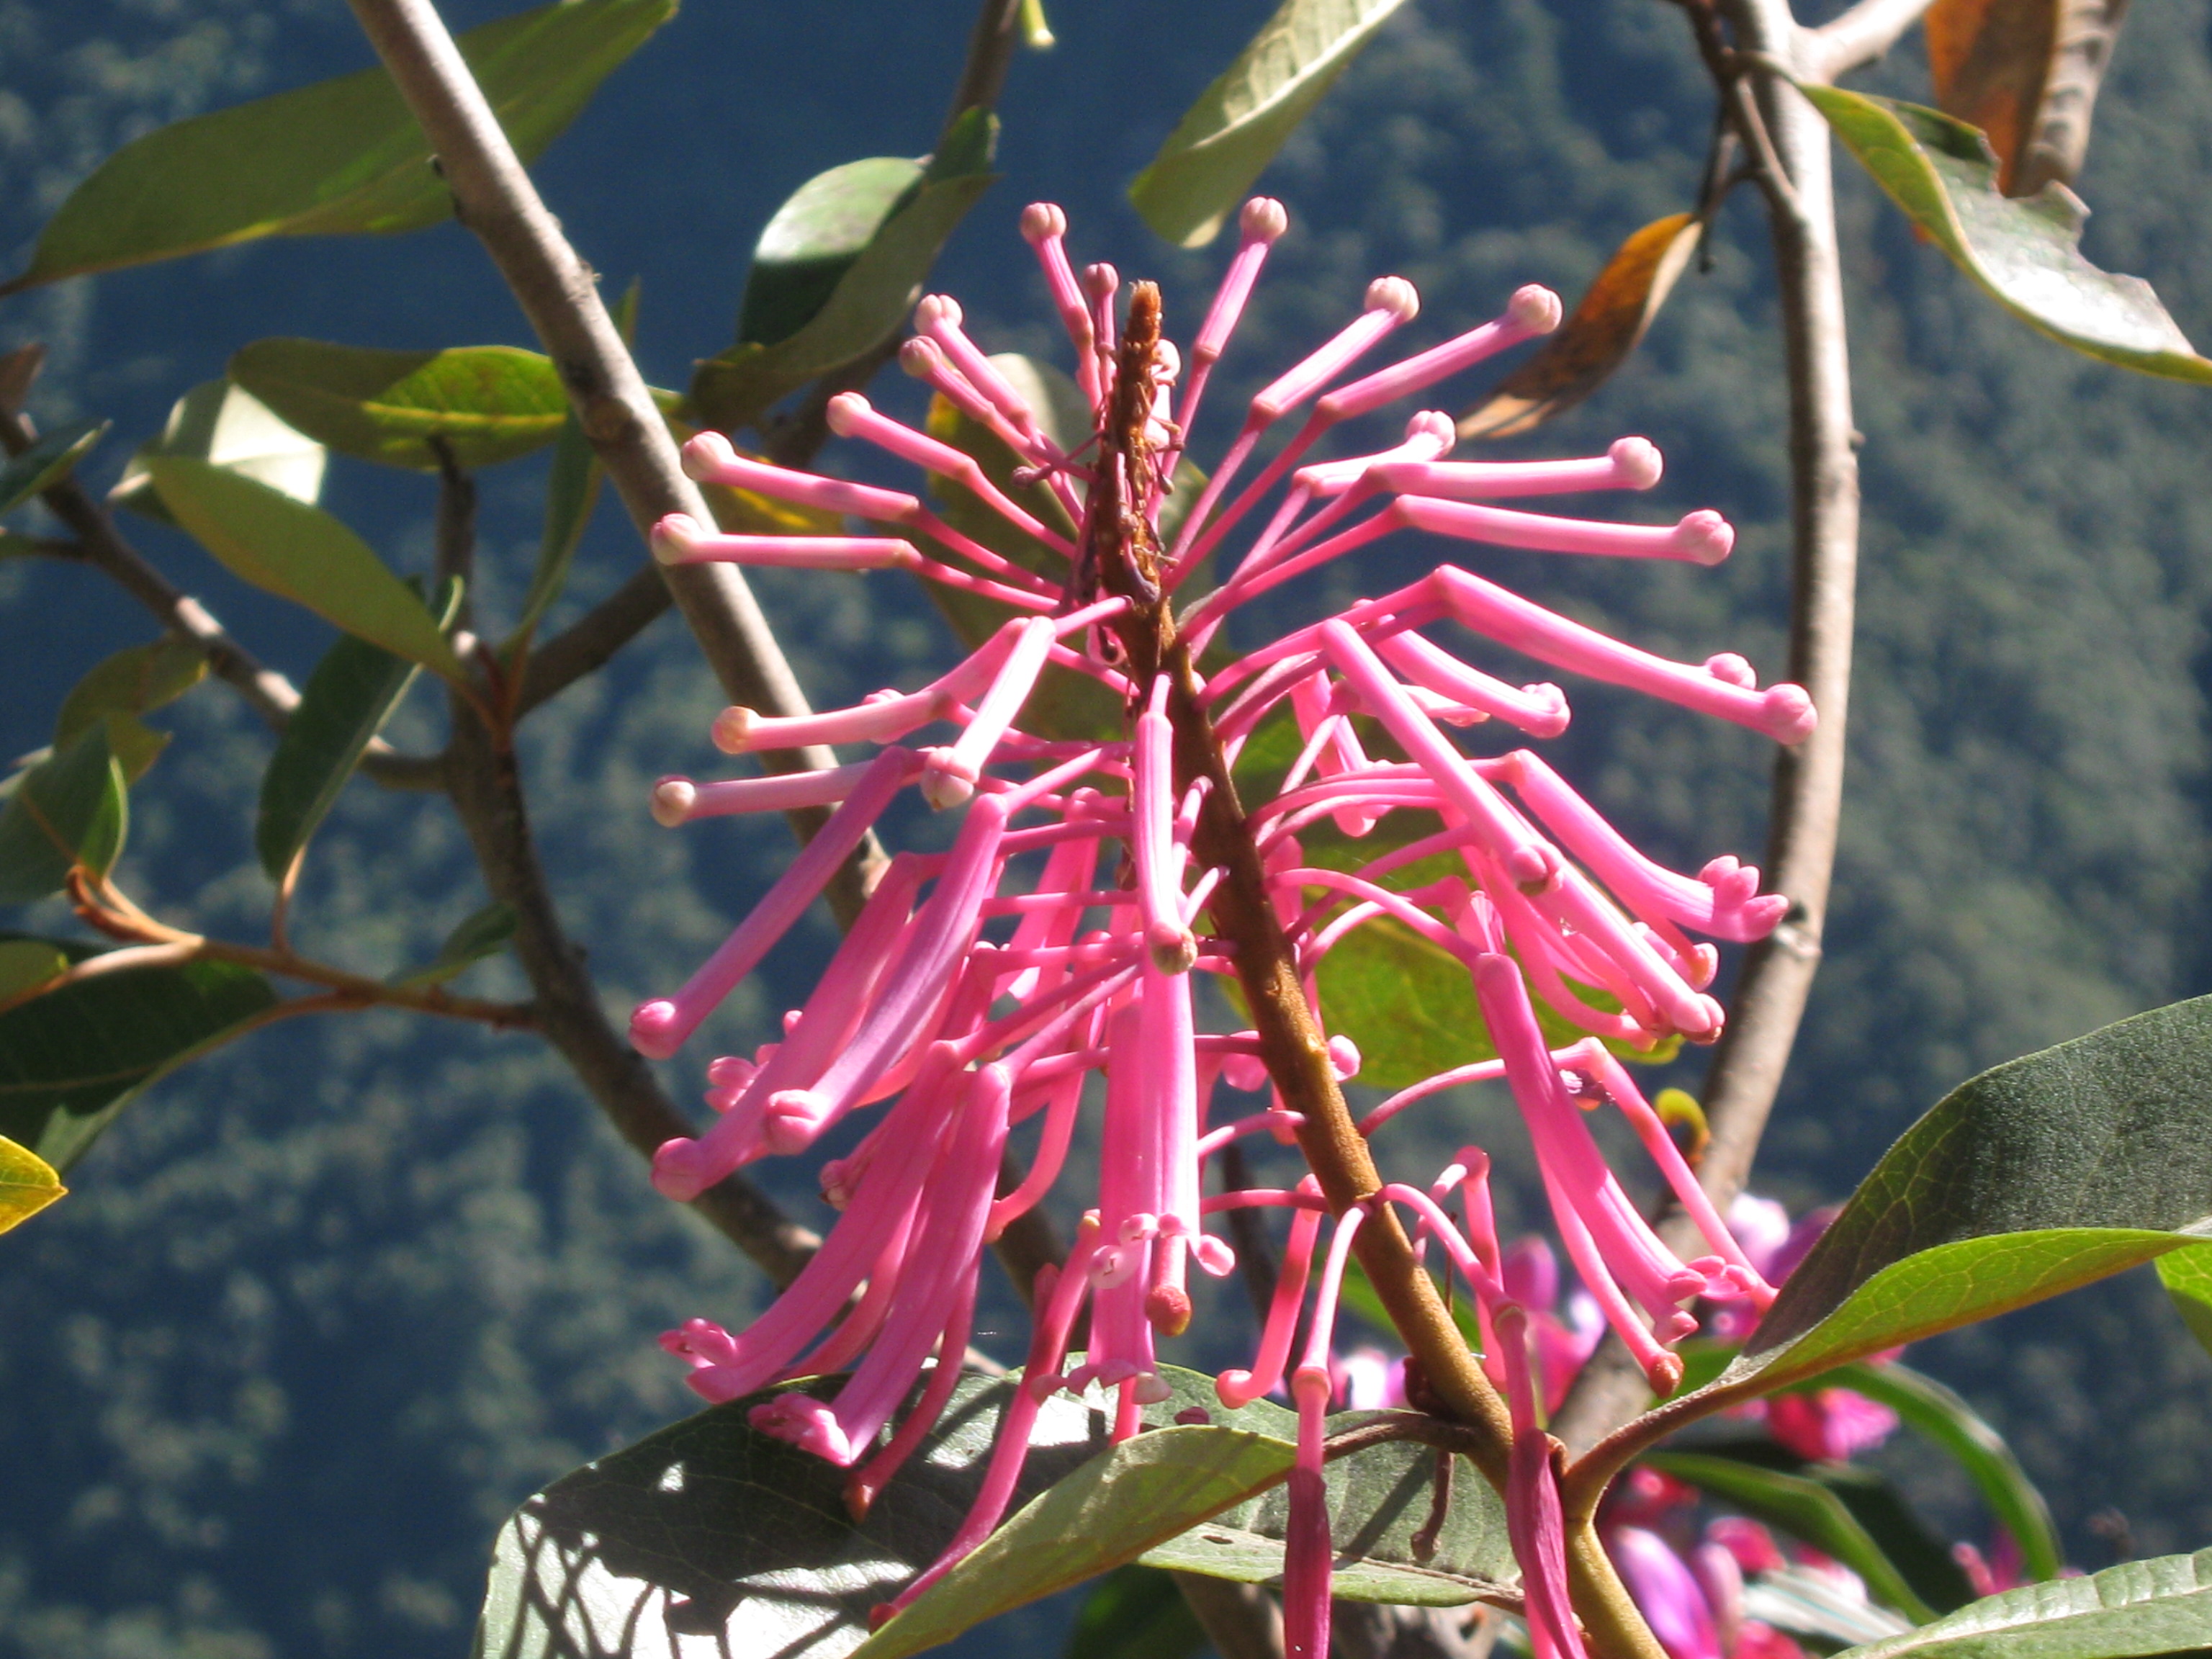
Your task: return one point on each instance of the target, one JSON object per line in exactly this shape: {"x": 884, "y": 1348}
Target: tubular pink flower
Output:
{"x": 949, "y": 775}
{"x": 679, "y": 801}
{"x": 1666, "y": 1593}
{"x": 1262, "y": 223}
{"x": 681, "y": 539}
{"x": 1308, "y": 1553}
{"x": 1239, "y": 1388}
{"x": 1532, "y": 311}
{"x": 710, "y": 459}
{"x": 851, "y": 416}
{"x": 1152, "y": 803}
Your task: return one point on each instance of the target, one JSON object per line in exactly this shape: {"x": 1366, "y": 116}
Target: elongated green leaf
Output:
{"x": 2046, "y": 1173}
{"x": 1136, "y": 1612}
{"x": 1944, "y": 1418}
{"x": 25, "y": 964}
{"x": 2129, "y": 1612}
{"x": 1226, "y": 139}
{"x": 344, "y": 704}
{"x": 343, "y": 157}
{"x": 2025, "y": 252}
{"x": 27, "y": 1184}
{"x": 121, "y": 688}
{"x": 303, "y": 554}
{"x": 868, "y": 300}
{"x": 70, "y": 809}
{"x": 1850, "y": 1513}
{"x": 478, "y": 937}
{"x": 227, "y": 427}
{"x": 42, "y": 465}
{"x": 72, "y": 1059}
{"x": 490, "y": 404}
{"x": 2187, "y": 1276}
{"x": 815, "y": 238}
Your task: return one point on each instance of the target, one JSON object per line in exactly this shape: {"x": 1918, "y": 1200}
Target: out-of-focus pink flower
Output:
{"x": 1831, "y": 1424}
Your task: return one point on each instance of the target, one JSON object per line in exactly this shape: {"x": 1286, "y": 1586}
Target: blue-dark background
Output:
{"x": 320, "y": 1311}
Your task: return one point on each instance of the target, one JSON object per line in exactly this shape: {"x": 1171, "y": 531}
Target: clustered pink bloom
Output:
{"x": 969, "y": 1002}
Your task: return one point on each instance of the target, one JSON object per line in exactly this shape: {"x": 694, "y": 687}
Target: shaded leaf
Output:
{"x": 27, "y": 1184}
{"x": 136, "y": 679}
{"x": 490, "y": 403}
{"x": 338, "y": 157}
{"x": 2026, "y": 72}
{"x": 28, "y": 963}
{"x": 1850, "y": 1513}
{"x": 1606, "y": 324}
{"x": 2025, "y": 253}
{"x": 478, "y": 937}
{"x": 227, "y": 427}
{"x": 815, "y": 238}
{"x": 1136, "y": 1612}
{"x": 302, "y": 554}
{"x": 71, "y": 809}
{"x": 45, "y": 463}
{"x": 2044, "y": 1174}
{"x": 346, "y": 702}
{"x": 2187, "y": 1276}
{"x": 2137, "y": 1608}
{"x": 1225, "y": 140}
{"x": 72, "y": 1059}
{"x": 868, "y": 300}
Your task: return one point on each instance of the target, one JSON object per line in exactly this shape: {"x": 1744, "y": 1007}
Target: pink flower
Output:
{"x": 969, "y": 1005}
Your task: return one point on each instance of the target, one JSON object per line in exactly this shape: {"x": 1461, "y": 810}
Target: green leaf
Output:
{"x": 728, "y": 1533}
{"x": 868, "y": 299}
{"x": 28, "y": 963}
{"x": 1950, "y": 1423}
{"x": 346, "y": 701}
{"x": 2023, "y": 252}
{"x": 1136, "y": 1612}
{"x": 1850, "y": 1513}
{"x": 816, "y": 236}
{"x": 2187, "y": 1276}
{"x": 2046, "y": 1173}
{"x": 2135, "y": 1609}
{"x": 70, "y": 809}
{"x": 217, "y": 423}
{"x": 1230, "y": 135}
{"x": 27, "y": 1184}
{"x": 132, "y": 682}
{"x": 483, "y": 935}
{"x": 303, "y": 554}
{"x": 490, "y": 404}
{"x": 45, "y": 462}
{"x": 343, "y": 157}
{"x": 72, "y": 1059}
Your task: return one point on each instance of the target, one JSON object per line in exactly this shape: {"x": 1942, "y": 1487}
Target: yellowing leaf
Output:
{"x": 2026, "y": 72}
{"x": 27, "y": 1184}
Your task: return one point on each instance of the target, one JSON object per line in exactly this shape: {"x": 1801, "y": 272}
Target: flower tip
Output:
{"x": 1536, "y": 308}
{"x": 1042, "y": 221}
{"x": 675, "y": 1171}
{"x": 1167, "y": 1307}
{"x": 672, "y": 800}
{"x": 1396, "y": 295}
{"x": 731, "y": 1071}
{"x": 794, "y": 1118}
{"x": 656, "y": 1029}
{"x": 846, "y": 410}
{"x": 1263, "y": 220}
{"x": 1533, "y": 866}
{"x": 1246, "y": 1073}
{"x": 1215, "y": 1259}
{"x": 946, "y": 779}
{"x": 1636, "y": 462}
{"x": 881, "y": 1614}
{"x": 1234, "y": 1389}
{"x": 1704, "y": 536}
{"x": 1344, "y": 1058}
{"x": 1173, "y": 949}
{"x": 1664, "y": 1373}
{"x": 674, "y": 537}
{"x": 1436, "y": 427}
{"x": 707, "y": 453}
{"x": 920, "y": 356}
{"x": 936, "y": 308}
{"x": 733, "y": 729}
{"x": 1735, "y": 670}
{"x": 1100, "y": 281}
{"x": 1789, "y": 713}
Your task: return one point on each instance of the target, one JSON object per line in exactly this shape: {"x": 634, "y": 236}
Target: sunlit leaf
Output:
{"x": 869, "y": 296}
{"x": 1606, "y": 324}
{"x": 71, "y": 809}
{"x": 45, "y": 463}
{"x": 303, "y": 554}
{"x": 2134, "y": 1610}
{"x": 2026, "y": 72}
{"x": 227, "y": 427}
{"x": 488, "y": 404}
{"x": 342, "y": 156}
{"x": 2187, "y": 1276}
{"x": 2025, "y": 254}
{"x": 27, "y": 1184}
{"x": 1225, "y": 140}
{"x": 72, "y": 1059}
{"x": 136, "y": 679}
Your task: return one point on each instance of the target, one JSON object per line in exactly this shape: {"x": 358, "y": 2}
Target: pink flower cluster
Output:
{"x": 973, "y": 997}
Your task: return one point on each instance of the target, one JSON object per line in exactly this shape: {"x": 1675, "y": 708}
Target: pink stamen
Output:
{"x": 948, "y": 775}
{"x": 681, "y": 539}
{"x": 1532, "y": 311}
{"x": 679, "y": 801}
